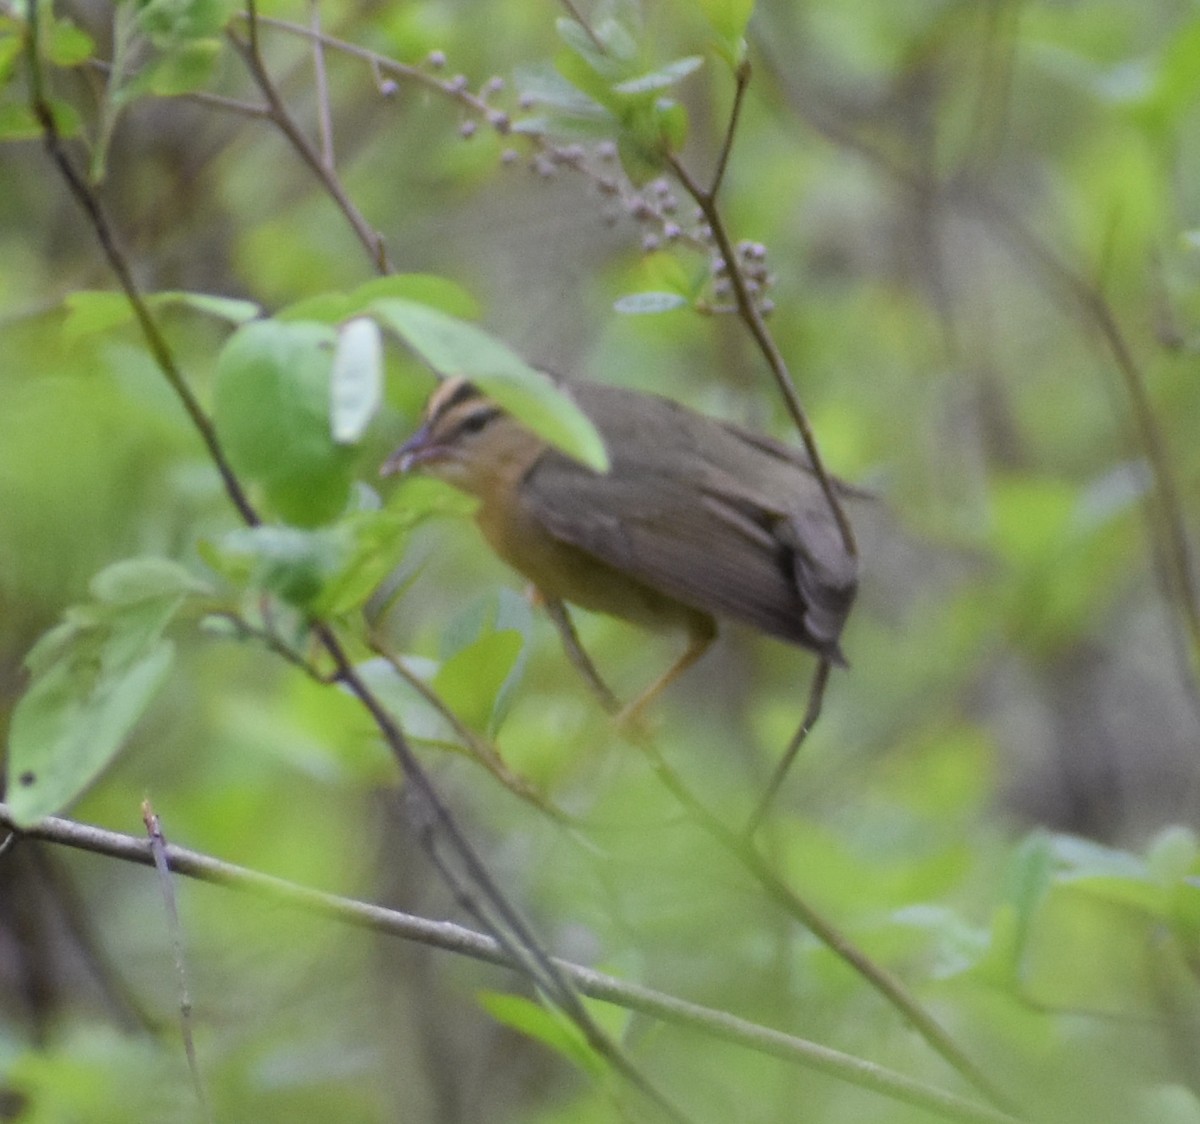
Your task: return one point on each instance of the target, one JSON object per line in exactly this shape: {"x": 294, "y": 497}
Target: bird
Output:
{"x": 696, "y": 519}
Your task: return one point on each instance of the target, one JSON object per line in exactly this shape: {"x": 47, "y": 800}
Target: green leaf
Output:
{"x": 190, "y": 67}
{"x": 1172, "y": 854}
{"x": 172, "y": 23}
{"x": 648, "y": 134}
{"x": 642, "y": 303}
{"x": 72, "y": 721}
{"x": 661, "y": 78}
{"x": 290, "y": 562}
{"x": 11, "y": 46}
{"x": 453, "y": 347}
{"x": 356, "y": 384}
{"x": 323, "y": 572}
{"x": 231, "y": 309}
{"x": 551, "y": 89}
{"x": 135, "y": 580}
{"x": 271, "y": 408}
{"x": 424, "y": 288}
{"x": 471, "y": 680}
{"x": 17, "y": 122}
{"x": 603, "y": 62}
{"x": 728, "y": 20}
{"x": 96, "y": 310}
{"x": 65, "y": 44}
{"x": 90, "y": 311}
{"x": 545, "y": 1025}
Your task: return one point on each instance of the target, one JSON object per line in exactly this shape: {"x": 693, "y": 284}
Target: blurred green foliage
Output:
{"x": 999, "y": 800}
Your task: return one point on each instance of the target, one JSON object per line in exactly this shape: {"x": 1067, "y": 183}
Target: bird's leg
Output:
{"x": 816, "y": 695}
{"x": 582, "y": 662}
{"x": 701, "y": 634}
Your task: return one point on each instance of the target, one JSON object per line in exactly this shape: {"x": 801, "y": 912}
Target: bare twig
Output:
{"x": 479, "y": 748}
{"x": 741, "y": 85}
{"x": 157, "y": 344}
{"x": 321, "y": 80}
{"x": 578, "y": 656}
{"x": 816, "y": 695}
{"x": 158, "y": 849}
{"x": 251, "y": 55}
{"x": 464, "y": 942}
{"x": 752, "y": 318}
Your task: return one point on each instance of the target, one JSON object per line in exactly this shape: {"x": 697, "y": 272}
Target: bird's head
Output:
{"x": 466, "y": 440}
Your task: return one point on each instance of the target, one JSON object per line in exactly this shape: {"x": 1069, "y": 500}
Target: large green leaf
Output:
{"x": 272, "y": 413}
{"x": 454, "y": 347}
{"x": 93, "y": 676}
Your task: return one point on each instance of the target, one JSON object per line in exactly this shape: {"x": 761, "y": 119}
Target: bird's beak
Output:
{"x": 420, "y": 447}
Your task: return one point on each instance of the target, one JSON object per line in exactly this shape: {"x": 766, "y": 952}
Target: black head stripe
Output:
{"x": 452, "y": 393}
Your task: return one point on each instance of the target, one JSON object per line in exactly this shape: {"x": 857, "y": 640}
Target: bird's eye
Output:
{"x": 473, "y": 423}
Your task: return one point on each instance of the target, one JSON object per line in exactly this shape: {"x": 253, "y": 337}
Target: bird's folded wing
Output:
{"x": 707, "y": 542}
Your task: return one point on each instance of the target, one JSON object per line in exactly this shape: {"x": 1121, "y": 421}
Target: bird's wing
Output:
{"x": 705, "y": 540}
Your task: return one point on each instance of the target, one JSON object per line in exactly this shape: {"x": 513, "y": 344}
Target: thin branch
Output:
{"x": 158, "y": 849}
{"x": 265, "y": 636}
{"x": 750, "y": 315}
{"x": 816, "y": 695}
{"x": 479, "y": 748}
{"x": 251, "y": 55}
{"x": 115, "y": 257}
{"x": 742, "y": 83}
{"x": 321, "y": 80}
{"x": 453, "y": 938}
{"x": 741, "y": 848}
{"x": 577, "y": 655}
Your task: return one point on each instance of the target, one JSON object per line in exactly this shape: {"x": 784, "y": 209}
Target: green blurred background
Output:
{"x": 997, "y": 801}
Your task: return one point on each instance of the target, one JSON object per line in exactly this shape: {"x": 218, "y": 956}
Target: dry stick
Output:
{"x": 525, "y": 953}
{"x": 158, "y": 849}
{"x": 454, "y": 938}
